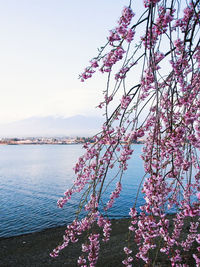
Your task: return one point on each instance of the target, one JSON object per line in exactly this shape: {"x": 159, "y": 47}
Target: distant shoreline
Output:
{"x": 66, "y": 142}
{"x": 52, "y": 144}
{"x": 41, "y": 144}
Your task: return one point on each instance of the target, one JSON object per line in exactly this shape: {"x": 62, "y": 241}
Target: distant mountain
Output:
{"x": 52, "y": 126}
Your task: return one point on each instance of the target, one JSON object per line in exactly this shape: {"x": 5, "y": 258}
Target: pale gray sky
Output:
{"x": 44, "y": 45}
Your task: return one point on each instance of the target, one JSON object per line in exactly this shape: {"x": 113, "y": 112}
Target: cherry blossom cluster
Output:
{"x": 185, "y": 23}
{"x": 133, "y": 215}
{"x": 112, "y": 58}
{"x": 129, "y": 259}
{"x": 92, "y": 248}
{"x": 117, "y": 36}
{"x": 122, "y": 31}
{"x": 115, "y": 194}
{"x": 106, "y": 225}
{"x": 160, "y": 27}
{"x": 125, "y": 101}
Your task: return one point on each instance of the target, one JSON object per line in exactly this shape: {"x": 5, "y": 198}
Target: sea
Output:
{"x": 34, "y": 177}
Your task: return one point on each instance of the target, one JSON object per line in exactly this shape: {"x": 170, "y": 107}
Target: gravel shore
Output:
{"x": 33, "y": 249}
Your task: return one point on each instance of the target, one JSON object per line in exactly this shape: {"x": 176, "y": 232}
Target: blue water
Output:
{"x": 33, "y": 177}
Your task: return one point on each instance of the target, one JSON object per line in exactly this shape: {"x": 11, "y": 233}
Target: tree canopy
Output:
{"x": 152, "y": 62}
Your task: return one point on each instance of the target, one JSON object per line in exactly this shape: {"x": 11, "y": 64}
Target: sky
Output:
{"x": 44, "y": 46}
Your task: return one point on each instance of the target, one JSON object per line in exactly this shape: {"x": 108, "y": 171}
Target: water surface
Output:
{"x": 33, "y": 177}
